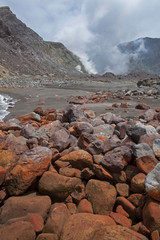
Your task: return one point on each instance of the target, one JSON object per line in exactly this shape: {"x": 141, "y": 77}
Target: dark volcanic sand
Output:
{"x": 30, "y": 98}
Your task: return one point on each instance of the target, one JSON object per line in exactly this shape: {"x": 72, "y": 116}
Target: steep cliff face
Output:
{"x": 143, "y": 55}
{"x": 22, "y": 51}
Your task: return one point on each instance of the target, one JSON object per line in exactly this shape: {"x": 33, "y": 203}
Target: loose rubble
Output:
{"x": 70, "y": 174}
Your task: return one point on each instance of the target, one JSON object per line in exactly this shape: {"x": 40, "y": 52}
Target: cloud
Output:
{"x": 91, "y": 28}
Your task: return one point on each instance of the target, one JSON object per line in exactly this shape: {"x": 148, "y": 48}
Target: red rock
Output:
{"x": 58, "y": 187}
{"x": 131, "y": 171}
{"x": 120, "y": 177}
{"x": 85, "y": 206}
{"x": 70, "y": 172}
{"x": 30, "y": 116}
{"x": 137, "y": 183}
{"x": 127, "y": 205}
{"x": 148, "y": 115}
{"x": 120, "y": 219}
{"x": 18, "y": 230}
{"x": 101, "y": 173}
{"x": 47, "y": 236}
{"x": 32, "y": 164}
{"x": 90, "y": 113}
{"x": 117, "y": 233}
{"x": 115, "y": 105}
{"x": 16, "y": 207}
{"x": 80, "y": 127}
{"x": 137, "y": 199}
{"x": 87, "y": 174}
{"x": 58, "y": 215}
{"x": 37, "y": 222}
{"x": 124, "y": 105}
{"x": 91, "y": 143}
{"x": 39, "y": 111}
{"x": 78, "y": 159}
{"x": 121, "y": 210}
{"x": 72, "y": 208}
{"x": 151, "y": 215}
{"x": 51, "y": 117}
{"x": 155, "y": 235}
{"x": 78, "y": 194}
{"x": 146, "y": 163}
{"x": 84, "y": 226}
{"x": 142, "y": 106}
{"x": 60, "y": 139}
{"x": 102, "y": 196}
{"x": 122, "y": 189}
{"x": 148, "y": 138}
{"x": 117, "y": 159}
{"x": 2, "y": 174}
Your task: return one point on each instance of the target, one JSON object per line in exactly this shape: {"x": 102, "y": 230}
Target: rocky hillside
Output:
{"x": 143, "y": 54}
{"x": 22, "y": 51}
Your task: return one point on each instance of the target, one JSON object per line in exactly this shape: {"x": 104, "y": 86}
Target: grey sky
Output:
{"x": 91, "y": 28}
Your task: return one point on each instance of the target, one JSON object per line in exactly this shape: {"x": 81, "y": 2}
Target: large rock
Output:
{"x": 156, "y": 148}
{"x": 146, "y": 163}
{"x": 117, "y": 233}
{"x": 104, "y": 130}
{"x": 148, "y": 115}
{"x": 137, "y": 183}
{"x": 102, "y": 196}
{"x": 152, "y": 183}
{"x": 141, "y": 150}
{"x": 30, "y": 116}
{"x": 19, "y": 230}
{"x": 58, "y": 187}
{"x": 60, "y": 139}
{"x": 32, "y": 164}
{"x": 73, "y": 113}
{"x": 11, "y": 148}
{"x": 135, "y": 133}
{"x": 84, "y": 226}
{"x": 20, "y": 206}
{"x": 78, "y": 159}
{"x": 80, "y": 127}
{"x": 58, "y": 215}
{"x": 47, "y": 130}
{"x": 91, "y": 143}
{"x": 117, "y": 159}
{"x": 151, "y": 215}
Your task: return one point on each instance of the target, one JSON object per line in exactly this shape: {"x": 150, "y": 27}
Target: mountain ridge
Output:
{"x": 23, "y": 51}
{"x": 143, "y": 55}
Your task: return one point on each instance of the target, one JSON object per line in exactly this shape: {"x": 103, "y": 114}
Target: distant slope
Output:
{"x": 143, "y": 55}
{"x": 22, "y": 51}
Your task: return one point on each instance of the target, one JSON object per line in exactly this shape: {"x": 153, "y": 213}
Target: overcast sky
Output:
{"x": 91, "y": 28}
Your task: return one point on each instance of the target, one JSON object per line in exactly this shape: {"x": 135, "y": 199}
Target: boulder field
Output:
{"x": 72, "y": 175}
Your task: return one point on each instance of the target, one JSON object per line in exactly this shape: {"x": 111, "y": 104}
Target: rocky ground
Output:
{"x": 72, "y": 174}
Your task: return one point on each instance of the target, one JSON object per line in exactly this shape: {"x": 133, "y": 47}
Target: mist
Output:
{"x": 92, "y": 29}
